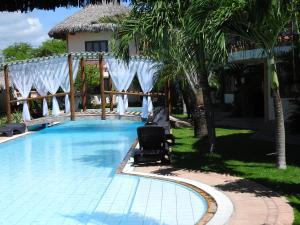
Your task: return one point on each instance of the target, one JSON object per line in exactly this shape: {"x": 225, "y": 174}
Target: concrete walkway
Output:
{"x": 253, "y": 204}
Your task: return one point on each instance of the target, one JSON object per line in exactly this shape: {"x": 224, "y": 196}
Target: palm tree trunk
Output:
{"x": 208, "y": 112}
{"x": 279, "y": 130}
{"x": 279, "y": 117}
{"x": 203, "y": 77}
{"x": 200, "y": 123}
{"x": 196, "y": 107}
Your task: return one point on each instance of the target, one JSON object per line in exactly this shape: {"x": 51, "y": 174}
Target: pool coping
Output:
{"x": 6, "y": 139}
{"x": 220, "y": 207}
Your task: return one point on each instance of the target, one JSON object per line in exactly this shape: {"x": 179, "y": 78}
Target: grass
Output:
{"x": 180, "y": 116}
{"x": 238, "y": 154}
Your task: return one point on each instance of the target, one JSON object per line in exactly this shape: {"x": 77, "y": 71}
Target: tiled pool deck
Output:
{"x": 253, "y": 203}
{"x": 65, "y": 175}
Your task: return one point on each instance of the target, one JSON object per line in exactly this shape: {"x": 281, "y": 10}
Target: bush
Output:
{"x": 92, "y": 77}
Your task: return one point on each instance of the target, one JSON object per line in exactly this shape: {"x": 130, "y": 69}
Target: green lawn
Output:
{"x": 237, "y": 154}
{"x": 180, "y": 116}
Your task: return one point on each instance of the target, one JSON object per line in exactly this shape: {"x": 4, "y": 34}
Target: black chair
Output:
{"x": 160, "y": 118}
{"x": 153, "y": 145}
{"x": 13, "y": 128}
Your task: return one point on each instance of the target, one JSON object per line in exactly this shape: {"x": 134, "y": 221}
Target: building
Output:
{"x": 251, "y": 83}
{"x": 83, "y": 31}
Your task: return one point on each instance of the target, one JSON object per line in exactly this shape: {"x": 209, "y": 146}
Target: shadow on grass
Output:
{"x": 239, "y": 147}
{"x": 241, "y": 155}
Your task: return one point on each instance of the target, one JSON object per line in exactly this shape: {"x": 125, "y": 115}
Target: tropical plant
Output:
{"x": 160, "y": 31}
{"x": 254, "y": 20}
{"x": 92, "y": 79}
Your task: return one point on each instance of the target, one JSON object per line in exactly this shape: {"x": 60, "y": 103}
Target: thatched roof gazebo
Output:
{"x": 87, "y": 20}
{"x": 29, "y": 5}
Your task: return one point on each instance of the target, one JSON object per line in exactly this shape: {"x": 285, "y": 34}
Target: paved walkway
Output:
{"x": 253, "y": 203}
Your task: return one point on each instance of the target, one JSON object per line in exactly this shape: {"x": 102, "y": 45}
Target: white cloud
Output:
{"x": 20, "y": 27}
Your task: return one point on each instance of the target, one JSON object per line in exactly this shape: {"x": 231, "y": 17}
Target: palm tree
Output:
{"x": 254, "y": 20}
{"x": 159, "y": 27}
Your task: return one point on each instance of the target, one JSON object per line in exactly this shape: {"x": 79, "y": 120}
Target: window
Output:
{"x": 96, "y": 46}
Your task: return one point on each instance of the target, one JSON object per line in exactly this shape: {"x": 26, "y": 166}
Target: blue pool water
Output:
{"x": 66, "y": 175}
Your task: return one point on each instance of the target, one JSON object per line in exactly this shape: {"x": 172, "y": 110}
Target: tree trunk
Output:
{"x": 279, "y": 130}
{"x": 279, "y": 117}
{"x": 203, "y": 77}
{"x": 200, "y": 123}
{"x": 193, "y": 98}
{"x": 208, "y": 112}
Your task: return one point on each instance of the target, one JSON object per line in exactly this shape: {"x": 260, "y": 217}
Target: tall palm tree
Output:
{"x": 254, "y": 20}
{"x": 159, "y": 29}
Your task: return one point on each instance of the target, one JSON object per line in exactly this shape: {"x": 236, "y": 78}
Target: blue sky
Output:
{"x": 50, "y": 18}
{"x": 32, "y": 27}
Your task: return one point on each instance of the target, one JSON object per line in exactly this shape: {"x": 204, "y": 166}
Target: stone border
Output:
{"x": 4, "y": 139}
{"x": 224, "y": 207}
{"x": 220, "y": 208}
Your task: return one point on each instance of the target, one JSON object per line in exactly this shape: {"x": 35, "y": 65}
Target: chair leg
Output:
{"x": 9, "y": 133}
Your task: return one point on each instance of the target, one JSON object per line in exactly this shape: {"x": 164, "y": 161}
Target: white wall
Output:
{"x": 76, "y": 42}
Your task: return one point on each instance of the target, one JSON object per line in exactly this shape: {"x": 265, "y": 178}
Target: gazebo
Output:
{"x": 46, "y": 75}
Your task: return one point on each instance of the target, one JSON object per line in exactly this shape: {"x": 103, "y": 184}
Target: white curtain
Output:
{"x": 39, "y": 86}
{"x": 146, "y": 70}
{"x": 22, "y": 80}
{"x": 52, "y": 72}
{"x": 65, "y": 85}
{"x": 122, "y": 76}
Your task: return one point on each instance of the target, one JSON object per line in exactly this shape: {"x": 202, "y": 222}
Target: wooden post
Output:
{"x": 84, "y": 88}
{"x": 168, "y": 99}
{"x": 111, "y": 99}
{"x": 7, "y": 95}
{"x": 72, "y": 97}
{"x": 101, "y": 70}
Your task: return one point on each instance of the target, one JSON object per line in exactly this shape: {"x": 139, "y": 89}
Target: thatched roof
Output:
{"x": 29, "y": 5}
{"x": 87, "y": 20}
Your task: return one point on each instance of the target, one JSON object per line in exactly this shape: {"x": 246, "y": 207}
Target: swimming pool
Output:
{"x": 66, "y": 175}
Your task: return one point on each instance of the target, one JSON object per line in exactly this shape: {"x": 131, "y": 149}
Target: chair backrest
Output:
{"x": 151, "y": 137}
{"x": 161, "y": 116}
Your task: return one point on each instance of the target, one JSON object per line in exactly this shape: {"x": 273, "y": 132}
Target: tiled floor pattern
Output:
{"x": 253, "y": 203}
{"x": 64, "y": 175}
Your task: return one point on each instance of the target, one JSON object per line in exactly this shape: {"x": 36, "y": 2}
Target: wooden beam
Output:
{"x": 156, "y": 94}
{"x": 111, "y": 99}
{"x": 83, "y": 88}
{"x": 39, "y": 97}
{"x": 168, "y": 99}
{"x": 101, "y": 71}
{"x": 72, "y": 96}
{"x": 7, "y": 95}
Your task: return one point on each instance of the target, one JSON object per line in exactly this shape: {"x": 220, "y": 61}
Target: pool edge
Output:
{"x": 220, "y": 207}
